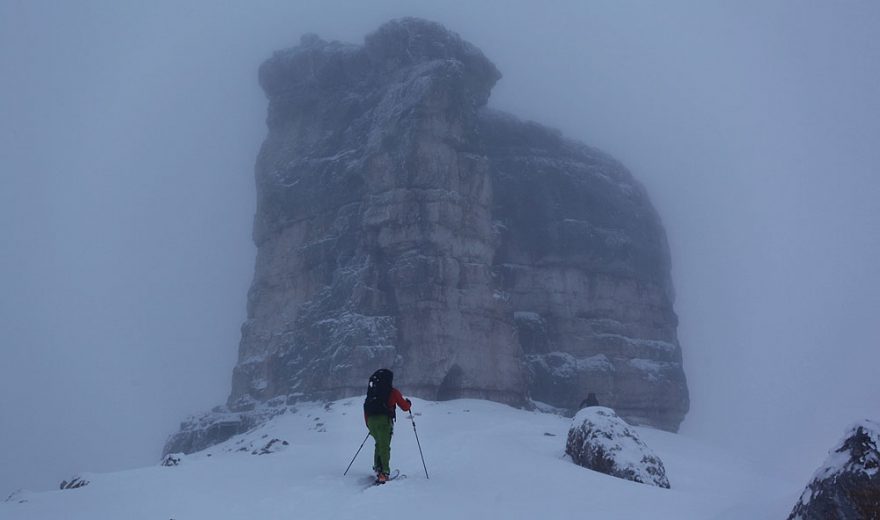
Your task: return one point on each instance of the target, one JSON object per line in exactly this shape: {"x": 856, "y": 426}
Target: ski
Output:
{"x": 391, "y": 476}
{"x": 373, "y": 482}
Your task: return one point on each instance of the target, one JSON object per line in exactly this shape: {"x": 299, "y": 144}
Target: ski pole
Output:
{"x": 411, "y": 418}
{"x": 355, "y": 455}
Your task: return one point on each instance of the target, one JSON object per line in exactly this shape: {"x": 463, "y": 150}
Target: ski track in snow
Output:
{"x": 485, "y": 460}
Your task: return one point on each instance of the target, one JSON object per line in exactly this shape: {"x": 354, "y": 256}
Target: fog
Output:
{"x": 128, "y": 135}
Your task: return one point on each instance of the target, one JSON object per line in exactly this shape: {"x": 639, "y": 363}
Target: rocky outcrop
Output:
{"x": 220, "y": 424}
{"x": 402, "y": 224}
{"x": 847, "y": 486}
{"x": 601, "y": 441}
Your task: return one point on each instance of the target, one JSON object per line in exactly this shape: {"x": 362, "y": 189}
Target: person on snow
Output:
{"x": 379, "y": 414}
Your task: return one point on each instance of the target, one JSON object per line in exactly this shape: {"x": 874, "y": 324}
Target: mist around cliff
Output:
{"x": 127, "y": 141}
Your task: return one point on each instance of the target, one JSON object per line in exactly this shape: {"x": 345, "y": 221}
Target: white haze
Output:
{"x": 128, "y": 133}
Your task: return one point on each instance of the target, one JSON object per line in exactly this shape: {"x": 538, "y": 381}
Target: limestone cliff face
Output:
{"x": 584, "y": 264}
{"x": 402, "y": 224}
{"x": 374, "y": 225}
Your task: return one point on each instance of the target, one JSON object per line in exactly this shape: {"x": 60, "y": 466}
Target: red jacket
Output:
{"x": 395, "y": 399}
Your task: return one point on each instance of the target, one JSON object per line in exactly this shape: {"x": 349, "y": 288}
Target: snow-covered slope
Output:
{"x": 485, "y": 460}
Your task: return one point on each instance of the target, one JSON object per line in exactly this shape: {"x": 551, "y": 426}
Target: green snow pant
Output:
{"x": 381, "y": 428}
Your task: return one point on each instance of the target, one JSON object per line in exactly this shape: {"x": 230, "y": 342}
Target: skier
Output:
{"x": 379, "y": 414}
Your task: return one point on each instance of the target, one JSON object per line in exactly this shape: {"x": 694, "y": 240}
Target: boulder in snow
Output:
{"x": 848, "y": 484}
{"x": 601, "y": 441}
{"x": 172, "y": 459}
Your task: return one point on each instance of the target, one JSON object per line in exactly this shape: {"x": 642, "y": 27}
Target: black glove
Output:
{"x": 409, "y": 403}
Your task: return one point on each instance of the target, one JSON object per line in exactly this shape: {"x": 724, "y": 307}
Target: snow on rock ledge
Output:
{"x": 848, "y": 483}
{"x": 601, "y": 441}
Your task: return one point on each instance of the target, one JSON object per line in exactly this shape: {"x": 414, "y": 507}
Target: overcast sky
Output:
{"x": 129, "y": 130}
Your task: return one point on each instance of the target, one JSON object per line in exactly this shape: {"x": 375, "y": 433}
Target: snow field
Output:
{"x": 485, "y": 460}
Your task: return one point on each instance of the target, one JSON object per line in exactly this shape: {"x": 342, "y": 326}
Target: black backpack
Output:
{"x": 378, "y": 392}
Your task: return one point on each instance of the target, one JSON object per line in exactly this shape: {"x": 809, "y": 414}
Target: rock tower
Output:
{"x": 401, "y": 223}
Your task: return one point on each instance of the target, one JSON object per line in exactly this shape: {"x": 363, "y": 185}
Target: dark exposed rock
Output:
{"x": 17, "y": 497}
{"x": 75, "y": 482}
{"x": 198, "y": 433}
{"x": 599, "y": 440}
{"x": 847, "y": 486}
{"x": 402, "y": 224}
{"x": 273, "y": 446}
